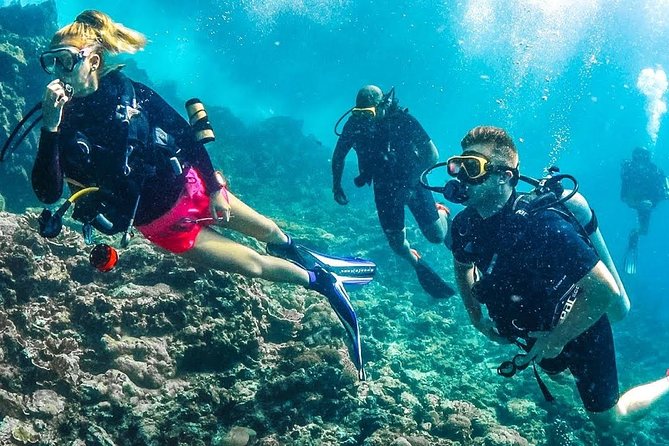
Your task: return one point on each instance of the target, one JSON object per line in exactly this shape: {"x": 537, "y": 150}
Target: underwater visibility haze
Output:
{"x": 577, "y": 83}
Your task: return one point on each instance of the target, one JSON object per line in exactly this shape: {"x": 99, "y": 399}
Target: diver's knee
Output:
{"x": 435, "y": 233}
{"x": 397, "y": 240}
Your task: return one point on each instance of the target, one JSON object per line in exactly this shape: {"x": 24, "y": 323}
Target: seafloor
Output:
{"x": 162, "y": 352}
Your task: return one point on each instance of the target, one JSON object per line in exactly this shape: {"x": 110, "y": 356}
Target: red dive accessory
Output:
{"x": 103, "y": 257}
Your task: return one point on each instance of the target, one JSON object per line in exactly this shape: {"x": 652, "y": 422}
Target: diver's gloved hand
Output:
{"x": 339, "y": 195}
{"x": 359, "y": 181}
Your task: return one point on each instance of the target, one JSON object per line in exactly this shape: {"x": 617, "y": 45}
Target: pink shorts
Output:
{"x": 177, "y": 230}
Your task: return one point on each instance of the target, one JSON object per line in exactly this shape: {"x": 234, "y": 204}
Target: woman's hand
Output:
{"x": 219, "y": 205}
{"x": 55, "y": 97}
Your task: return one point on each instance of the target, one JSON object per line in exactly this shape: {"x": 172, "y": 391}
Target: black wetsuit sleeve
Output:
{"x": 658, "y": 192}
{"x": 344, "y": 145}
{"x": 458, "y": 240}
{"x": 162, "y": 115}
{"x": 47, "y": 174}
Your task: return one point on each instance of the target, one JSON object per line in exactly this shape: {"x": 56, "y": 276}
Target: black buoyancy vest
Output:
{"x": 495, "y": 289}
{"x": 116, "y": 150}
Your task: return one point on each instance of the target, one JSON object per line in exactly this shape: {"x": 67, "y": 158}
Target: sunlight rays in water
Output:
{"x": 265, "y": 13}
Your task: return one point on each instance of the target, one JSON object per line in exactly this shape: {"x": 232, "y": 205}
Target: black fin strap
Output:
{"x": 593, "y": 224}
{"x": 542, "y": 385}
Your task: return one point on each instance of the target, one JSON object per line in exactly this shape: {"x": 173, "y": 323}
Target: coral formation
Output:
{"x": 159, "y": 351}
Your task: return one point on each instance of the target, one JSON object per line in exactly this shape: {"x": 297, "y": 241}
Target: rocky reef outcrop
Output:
{"x": 160, "y": 351}
{"x": 24, "y": 33}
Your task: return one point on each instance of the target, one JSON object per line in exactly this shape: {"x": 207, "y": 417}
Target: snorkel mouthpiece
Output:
{"x": 455, "y": 191}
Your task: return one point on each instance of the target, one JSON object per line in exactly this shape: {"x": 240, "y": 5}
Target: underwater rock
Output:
{"x": 24, "y": 33}
{"x": 238, "y": 436}
{"x": 400, "y": 441}
{"x": 24, "y": 434}
{"x": 29, "y": 20}
{"x": 145, "y": 361}
{"x": 11, "y": 404}
{"x": 417, "y": 441}
{"x": 503, "y": 436}
{"x": 457, "y": 427}
{"x": 46, "y": 403}
{"x": 524, "y": 410}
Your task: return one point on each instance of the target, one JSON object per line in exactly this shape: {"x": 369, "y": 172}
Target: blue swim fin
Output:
{"x": 332, "y": 287}
{"x": 349, "y": 270}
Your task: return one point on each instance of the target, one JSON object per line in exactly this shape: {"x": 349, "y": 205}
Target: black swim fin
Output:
{"x": 632, "y": 253}
{"x": 349, "y": 270}
{"x": 434, "y": 285}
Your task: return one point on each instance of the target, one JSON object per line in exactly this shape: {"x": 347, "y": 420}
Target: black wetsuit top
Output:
{"x": 642, "y": 180}
{"x": 525, "y": 271}
{"x": 386, "y": 148}
{"x": 387, "y": 152}
{"x": 92, "y": 119}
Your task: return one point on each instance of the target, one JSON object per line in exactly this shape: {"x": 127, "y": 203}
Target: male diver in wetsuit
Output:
{"x": 541, "y": 280}
{"x": 393, "y": 149}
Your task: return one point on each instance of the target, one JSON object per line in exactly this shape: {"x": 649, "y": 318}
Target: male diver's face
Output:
{"x": 487, "y": 191}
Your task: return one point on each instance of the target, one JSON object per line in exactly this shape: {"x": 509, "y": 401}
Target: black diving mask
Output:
{"x": 66, "y": 58}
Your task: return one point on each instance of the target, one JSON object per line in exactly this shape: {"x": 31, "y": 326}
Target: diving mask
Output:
{"x": 473, "y": 169}
{"x": 361, "y": 111}
{"x": 66, "y": 58}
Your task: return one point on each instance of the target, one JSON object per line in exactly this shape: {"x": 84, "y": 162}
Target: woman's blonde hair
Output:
{"x": 92, "y": 28}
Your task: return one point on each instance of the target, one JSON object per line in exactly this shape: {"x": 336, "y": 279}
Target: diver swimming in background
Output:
{"x": 643, "y": 186}
{"x": 150, "y": 171}
{"x": 393, "y": 149}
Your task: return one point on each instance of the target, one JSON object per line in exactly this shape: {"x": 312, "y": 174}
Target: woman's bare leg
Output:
{"x": 216, "y": 251}
{"x": 246, "y": 220}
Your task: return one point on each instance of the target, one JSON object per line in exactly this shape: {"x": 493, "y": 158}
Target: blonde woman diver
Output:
{"x": 102, "y": 129}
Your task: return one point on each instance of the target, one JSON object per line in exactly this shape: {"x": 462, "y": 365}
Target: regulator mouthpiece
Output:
{"x": 455, "y": 191}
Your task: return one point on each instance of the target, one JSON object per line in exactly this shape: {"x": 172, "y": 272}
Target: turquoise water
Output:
{"x": 564, "y": 77}
{"x": 578, "y": 84}
{"x": 560, "y": 74}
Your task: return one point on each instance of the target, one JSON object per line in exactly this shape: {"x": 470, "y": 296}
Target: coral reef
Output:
{"x": 159, "y": 351}
{"x": 24, "y": 33}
